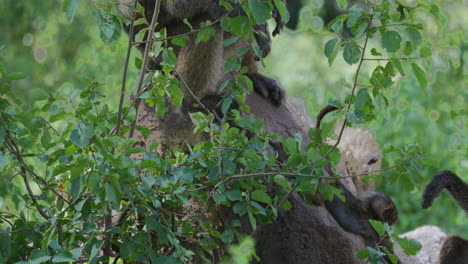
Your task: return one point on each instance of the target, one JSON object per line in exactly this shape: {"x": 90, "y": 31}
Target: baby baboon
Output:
{"x": 353, "y": 214}
{"x": 455, "y": 249}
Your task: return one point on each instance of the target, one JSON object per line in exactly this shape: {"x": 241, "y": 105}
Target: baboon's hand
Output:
{"x": 268, "y": 88}
{"x": 279, "y": 21}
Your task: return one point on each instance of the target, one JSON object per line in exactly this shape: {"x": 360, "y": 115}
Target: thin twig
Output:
{"x": 39, "y": 180}
{"x": 280, "y": 203}
{"x": 50, "y": 125}
{"x": 195, "y": 97}
{"x": 13, "y": 147}
{"x": 21, "y": 230}
{"x": 396, "y": 25}
{"x": 193, "y": 31}
{"x": 8, "y": 213}
{"x": 351, "y": 97}
{"x": 291, "y": 174}
{"x": 373, "y": 59}
{"x": 24, "y": 175}
{"x": 143, "y": 70}
{"x": 104, "y": 5}
{"x": 6, "y": 220}
{"x": 124, "y": 77}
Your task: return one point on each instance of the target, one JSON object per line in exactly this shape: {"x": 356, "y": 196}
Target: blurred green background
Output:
{"x": 35, "y": 38}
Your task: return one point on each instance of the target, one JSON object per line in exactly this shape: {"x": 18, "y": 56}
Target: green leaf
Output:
{"x": 164, "y": 260}
{"x": 342, "y": 3}
{"x": 3, "y": 69}
{"x": 38, "y": 94}
{"x": 81, "y": 134}
{"x": 282, "y": 181}
{"x": 205, "y": 35}
{"x": 76, "y": 252}
{"x": 393, "y": 258}
{"x": 125, "y": 144}
{"x": 63, "y": 256}
{"x": 230, "y": 41}
{"x": 260, "y": 10}
{"x": 186, "y": 175}
{"x": 261, "y": 196}
{"x": 408, "y": 48}
{"x": 140, "y": 21}
{"x": 414, "y": 36}
{"x": 109, "y": 25}
{"x": 287, "y": 205}
{"x": 232, "y": 65}
{"x": 374, "y": 255}
{"x": 391, "y": 41}
{"x": 437, "y": 12}
{"x": 95, "y": 250}
{"x": 169, "y": 58}
{"x": 374, "y": 52}
{"x": 240, "y": 25}
{"x": 420, "y": 75}
{"x": 378, "y": 226}
{"x": 112, "y": 193}
{"x": 363, "y": 253}
{"x": 426, "y": 52}
{"x": 331, "y": 50}
{"x": 282, "y": 9}
{"x": 227, "y": 236}
{"x": 2, "y": 137}
{"x": 389, "y": 70}
{"x": 314, "y": 135}
{"x": 353, "y": 16}
{"x": 352, "y": 53}
{"x": 76, "y": 186}
{"x": 362, "y": 98}
{"x": 397, "y": 64}
{"x": 219, "y": 198}
{"x": 336, "y": 25}
{"x": 360, "y": 30}
{"x": 175, "y": 94}
{"x": 134, "y": 150}
{"x": 290, "y": 145}
{"x": 234, "y": 195}
{"x": 240, "y": 208}
{"x": 253, "y": 221}
{"x": 3, "y": 160}
{"x": 226, "y": 104}
{"x": 409, "y": 246}
{"x": 70, "y": 9}
{"x": 15, "y": 76}
{"x": 39, "y": 256}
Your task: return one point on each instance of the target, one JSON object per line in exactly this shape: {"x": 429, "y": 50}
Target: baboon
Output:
{"x": 200, "y": 65}
{"x": 455, "y": 249}
{"x": 354, "y": 213}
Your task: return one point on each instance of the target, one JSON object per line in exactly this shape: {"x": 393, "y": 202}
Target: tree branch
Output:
{"x": 124, "y": 77}
{"x": 143, "y": 71}
{"x": 351, "y": 97}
